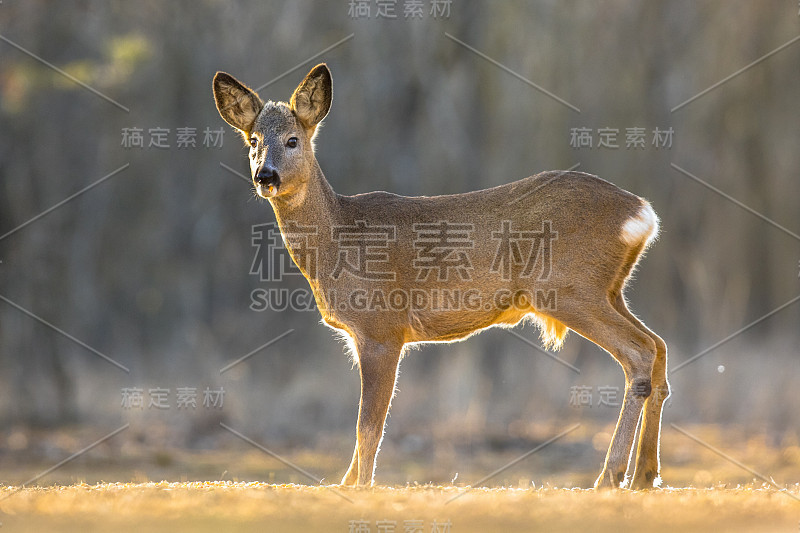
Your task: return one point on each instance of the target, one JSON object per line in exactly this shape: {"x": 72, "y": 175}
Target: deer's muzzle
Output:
{"x": 267, "y": 181}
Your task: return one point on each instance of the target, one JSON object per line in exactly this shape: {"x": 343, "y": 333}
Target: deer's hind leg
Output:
{"x": 648, "y": 464}
{"x": 597, "y": 320}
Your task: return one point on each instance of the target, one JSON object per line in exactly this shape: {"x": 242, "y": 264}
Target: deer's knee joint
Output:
{"x": 641, "y": 388}
{"x": 661, "y": 392}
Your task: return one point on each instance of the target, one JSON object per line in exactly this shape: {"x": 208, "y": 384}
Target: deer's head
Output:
{"x": 280, "y": 135}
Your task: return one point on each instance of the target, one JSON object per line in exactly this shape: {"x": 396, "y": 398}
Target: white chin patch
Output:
{"x": 642, "y": 227}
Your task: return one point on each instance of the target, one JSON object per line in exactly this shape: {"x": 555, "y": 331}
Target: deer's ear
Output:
{"x": 236, "y": 103}
{"x": 311, "y": 100}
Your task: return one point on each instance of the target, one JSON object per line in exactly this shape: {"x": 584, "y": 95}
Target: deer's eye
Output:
{"x": 253, "y": 142}
{"x": 292, "y": 142}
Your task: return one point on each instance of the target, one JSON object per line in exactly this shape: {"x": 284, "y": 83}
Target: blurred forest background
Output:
{"x": 151, "y": 267}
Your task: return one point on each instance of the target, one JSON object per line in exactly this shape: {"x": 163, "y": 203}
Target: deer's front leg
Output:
{"x": 351, "y": 477}
{"x": 377, "y": 363}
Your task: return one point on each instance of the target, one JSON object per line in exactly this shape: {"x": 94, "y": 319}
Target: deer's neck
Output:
{"x": 305, "y": 216}
{"x": 312, "y": 204}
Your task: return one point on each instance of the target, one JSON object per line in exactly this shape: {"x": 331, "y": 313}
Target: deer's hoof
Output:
{"x": 645, "y": 480}
{"x": 609, "y": 480}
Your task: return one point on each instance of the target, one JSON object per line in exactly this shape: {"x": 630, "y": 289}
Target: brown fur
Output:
{"x": 591, "y": 258}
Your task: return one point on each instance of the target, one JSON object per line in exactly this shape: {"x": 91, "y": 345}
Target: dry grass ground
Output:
{"x": 720, "y": 495}
{"x": 242, "y": 506}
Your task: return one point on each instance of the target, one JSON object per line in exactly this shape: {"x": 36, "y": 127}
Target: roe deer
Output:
{"x": 388, "y": 271}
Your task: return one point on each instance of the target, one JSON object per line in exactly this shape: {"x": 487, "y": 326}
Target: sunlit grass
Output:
{"x": 530, "y": 496}
{"x": 224, "y": 506}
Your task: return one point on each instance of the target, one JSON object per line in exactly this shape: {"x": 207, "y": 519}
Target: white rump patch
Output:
{"x": 641, "y": 227}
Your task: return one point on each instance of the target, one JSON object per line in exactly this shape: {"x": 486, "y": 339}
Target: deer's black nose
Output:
{"x": 267, "y": 176}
